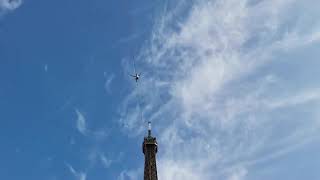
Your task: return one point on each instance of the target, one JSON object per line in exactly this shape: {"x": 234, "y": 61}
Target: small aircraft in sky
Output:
{"x": 136, "y": 75}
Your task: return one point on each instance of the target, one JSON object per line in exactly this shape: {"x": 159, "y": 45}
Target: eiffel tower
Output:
{"x": 150, "y": 148}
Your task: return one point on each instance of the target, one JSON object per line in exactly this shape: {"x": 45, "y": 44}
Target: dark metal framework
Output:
{"x": 150, "y": 149}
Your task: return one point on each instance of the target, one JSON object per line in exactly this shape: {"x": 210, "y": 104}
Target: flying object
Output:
{"x": 136, "y": 75}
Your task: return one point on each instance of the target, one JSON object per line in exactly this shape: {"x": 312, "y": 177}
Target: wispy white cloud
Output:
{"x": 77, "y": 175}
{"x": 132, "y": 175}
{"x": 105, "y": 161}
{"x": 9, "y": 5}
{"x": 81, "y": 123}
{"x": 129, "y": 38}
{"x": 238, "y": 174}
{"x": 82, "y": 127}
{"x": 108, "y": 82}
{"x": 97, "y": 157}
{"x": 221, "y": 106}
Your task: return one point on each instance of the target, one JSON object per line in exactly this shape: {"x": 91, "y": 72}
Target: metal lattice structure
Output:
{"x": 150, "y": 149}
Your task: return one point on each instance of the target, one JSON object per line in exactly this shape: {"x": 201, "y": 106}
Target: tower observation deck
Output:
{"x": 150, "y": 149}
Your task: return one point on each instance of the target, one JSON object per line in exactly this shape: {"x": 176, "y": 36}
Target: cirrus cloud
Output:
{"x": 9, "y": 5}
{"x": 216, "y": 89}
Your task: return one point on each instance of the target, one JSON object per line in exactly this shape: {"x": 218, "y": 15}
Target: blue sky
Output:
{"x": 231, "y": 86}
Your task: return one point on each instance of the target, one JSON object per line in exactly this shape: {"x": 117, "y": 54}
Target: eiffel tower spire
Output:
{"x": 150, "y": 148}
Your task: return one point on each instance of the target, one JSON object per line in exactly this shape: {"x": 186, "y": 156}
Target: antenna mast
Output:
{"x": 149, "y": 129}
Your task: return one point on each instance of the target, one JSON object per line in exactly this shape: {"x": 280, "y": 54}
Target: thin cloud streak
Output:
{"x": 105, "y": 161}
{"x": 108, "y": 82}
{"x": 217, "y": 110}
{"x": 82, "y": 127}
{"x": 77, "y": 175}
{"x": 81, "y": 123}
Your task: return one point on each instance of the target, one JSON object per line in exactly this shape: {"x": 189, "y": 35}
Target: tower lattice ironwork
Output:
{"x": 150, "y": 149}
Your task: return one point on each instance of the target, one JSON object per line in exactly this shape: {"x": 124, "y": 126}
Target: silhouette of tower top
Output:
{"x": 150, "y": 149}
